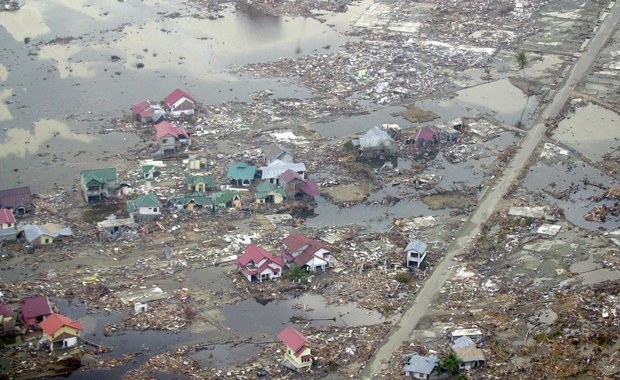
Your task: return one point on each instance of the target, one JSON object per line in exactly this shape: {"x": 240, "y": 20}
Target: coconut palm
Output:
{"x": 450, "y": 363}
{"x": 295, "y": 273}
{"x": 522, "y": 61}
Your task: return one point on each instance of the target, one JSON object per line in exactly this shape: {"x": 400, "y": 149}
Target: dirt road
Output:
{"x": 402, "y": 330}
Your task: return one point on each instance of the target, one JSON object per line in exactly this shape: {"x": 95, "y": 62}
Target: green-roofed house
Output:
{"x": 267, "y": 192}
{"x": 200, "y": 183}
{"x": 98, "y": 184}
{"x": 241, "y": 174}
{"x": 191, "y": 201}
{"x": 225, "y": 199}
{"x": 145, "y": 207}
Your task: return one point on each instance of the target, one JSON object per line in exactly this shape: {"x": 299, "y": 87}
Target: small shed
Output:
{"x": 416, "y": 252}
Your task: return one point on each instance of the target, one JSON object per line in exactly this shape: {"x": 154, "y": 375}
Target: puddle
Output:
{"x": 271, "y": 317}
{"x": 375, "y": 217}
{"x": 351, "y": 125}
{"x": 585, "y": 266}
{"x": 559, "y": 176}
{"x": 467, "y": 173}
{"x": 592, "y": 131}
{"x": 499, "y": 99}
{"x": 599, "y": 275}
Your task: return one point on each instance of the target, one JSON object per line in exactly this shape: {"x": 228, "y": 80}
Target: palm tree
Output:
{"x": 450, "y": 363}
{"x": 522, "y": 61}
{"x": 295, "y": 273}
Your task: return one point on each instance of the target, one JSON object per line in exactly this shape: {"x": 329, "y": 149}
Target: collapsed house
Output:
{"x": 171, "y": 138}
{"x": 147, "y": 112}
{"x": 376, "y": 144}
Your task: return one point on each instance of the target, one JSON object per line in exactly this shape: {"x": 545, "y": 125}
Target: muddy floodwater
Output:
{"x": 70, "y": 52}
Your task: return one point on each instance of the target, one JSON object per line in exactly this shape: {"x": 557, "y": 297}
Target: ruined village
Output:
{"x": 417, "y": 189}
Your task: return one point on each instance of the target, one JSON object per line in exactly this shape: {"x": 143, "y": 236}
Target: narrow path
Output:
{"x": 402, "y": 330}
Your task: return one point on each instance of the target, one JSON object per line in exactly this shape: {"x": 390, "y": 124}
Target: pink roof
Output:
{"x": 139, "y": 107}
{"x": 6, "y": 216}
{"x": 255, "y": 254}
{"x": 34, "y": 307}
{"x": 175, "y": 96}
{"x": 55, "y": 321}
{"x": 295, "y": 241}
{"x": 311, "y": 188}
{"x": 426, "y": 134}
{"x": 290, "y": 175}
{"x": 294, "y": 340}
{"x": 166, "y": 128}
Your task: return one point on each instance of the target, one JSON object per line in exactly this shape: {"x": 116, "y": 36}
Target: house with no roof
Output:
{"x": 298, "y": 353}
{"x": 60, "y": 331}
{"x": 179, "y": 103}
{"x": 257, "y": 264}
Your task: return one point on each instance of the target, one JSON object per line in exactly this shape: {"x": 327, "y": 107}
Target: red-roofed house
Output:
{"x": 426, "y": 135}
{"x": 258, "y": 264}
{"x": 296, "y": 186}
{"x": 147, "y": 112}
{"x": 179, "y": 103}
{"x": 170, "y": 138}
{"x": 34, "y": 310}
{"x": 298, "y": 352}
{"x": 60, "y": 329}
{"x": 305, "y": 252}
{"x": 18, "y": 199}
{"x": 7, "y": 225}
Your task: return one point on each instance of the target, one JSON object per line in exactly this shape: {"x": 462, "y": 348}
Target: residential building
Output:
{"x": 296, "y": 187}
{"x": 305, "y": 252}
{"x": 274, "y": 170}
{"x": 298, "y": 353}
{"x": 418, "y": 366}
{"x": 7, "y": 319}
{"x": 8, "y": 230}
{"x": 148, "y": 112}
{"x": 426, "y": 135}
{"x": 34, "y": 310}
{"x": 111, "y": 228}
{"x": 474, "y": 334}
{"x": 267, "y": 192}
{"x": 179, "y": 103}
{"x": 225, "y": 199}
{"x": 273, "y": 152}
{"x": 171, "y": 138}
{"x": 39, "y": 235}
{"x": 191, "y": 201}
{"x": 469, "y": 354}
{"x": 18, "y": 199}
{"x": 241, "y": 174}
{"x": 416, "y": 252}
{"x": 376, "y": 144}
{"x": 145, "y": 207}
{"x": 98, "y": 184}
{"x": 61, "y": 330}
{"x": 257, "y": 264}
{"x": 200, "y": 183}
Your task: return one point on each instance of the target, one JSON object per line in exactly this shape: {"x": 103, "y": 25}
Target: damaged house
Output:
{"x": 298, "y": 353}
{"x": 60, "y": 330}
{"x": 274, "y": 170}
{"x": 296, "y": 187}
{"x": 376, "y": 144}
{"x": 200, "y": 183}
{"x": 112, "y": 228}
{"x": 191, "y": 201}
{"x": 273, "y": 152}
{"x": 147, "y": 112}
{"x": 179, "y": 103}
{"x": 171, "y": 138}
{"x": 34, "y": 310}
{"x": 98, "y": 184}
{"x": 18, "y": 199}
{"x": 257, "y": 264}
{"x": 39, "y": 235}
{"x": 416, "y": 252}
{"x": 267, "y": 192}
{"x": 305, "y": 252}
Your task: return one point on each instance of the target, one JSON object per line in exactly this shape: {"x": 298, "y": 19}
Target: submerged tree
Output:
{"x": 522, "y": 61}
